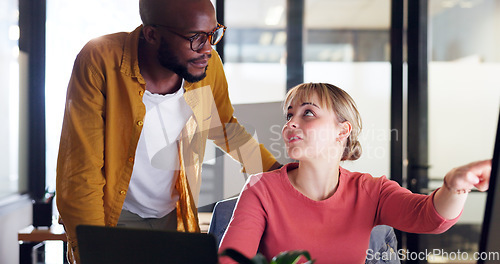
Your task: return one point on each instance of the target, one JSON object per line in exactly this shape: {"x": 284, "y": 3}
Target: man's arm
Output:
{"x": 80, "y": 178}
{"x": 232, "y": 137}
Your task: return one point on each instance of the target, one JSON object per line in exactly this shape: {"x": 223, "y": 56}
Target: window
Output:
{"x": 70, "y": 25}
{"x": 9, "y": 102}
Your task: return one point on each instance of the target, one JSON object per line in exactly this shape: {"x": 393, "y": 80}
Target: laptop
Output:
{"x": 99, "y": 244}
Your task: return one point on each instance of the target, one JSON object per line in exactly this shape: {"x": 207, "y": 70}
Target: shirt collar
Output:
{"x": 130, "y": 58}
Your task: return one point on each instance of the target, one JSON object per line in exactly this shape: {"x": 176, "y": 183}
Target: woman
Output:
{"x": 318, "y": 206}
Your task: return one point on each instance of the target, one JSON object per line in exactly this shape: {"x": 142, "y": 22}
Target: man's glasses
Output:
{"x": 199, "y": 39}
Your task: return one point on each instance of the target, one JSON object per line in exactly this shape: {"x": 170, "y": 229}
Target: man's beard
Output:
{"x": 168, "y": 60}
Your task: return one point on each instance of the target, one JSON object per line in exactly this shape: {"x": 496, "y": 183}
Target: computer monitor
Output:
{"x": 489, "y": 245}
{"x": 110, "y": 245}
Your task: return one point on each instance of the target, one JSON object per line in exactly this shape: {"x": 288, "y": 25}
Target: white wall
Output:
{"x": 13, "y": 217}
{"x": 464, "y": 100}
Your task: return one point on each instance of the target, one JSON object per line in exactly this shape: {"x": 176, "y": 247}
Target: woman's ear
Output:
{"x": 345, "y": 130}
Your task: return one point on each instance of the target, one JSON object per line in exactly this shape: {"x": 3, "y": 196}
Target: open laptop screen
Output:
{"x": 99, "y": 244}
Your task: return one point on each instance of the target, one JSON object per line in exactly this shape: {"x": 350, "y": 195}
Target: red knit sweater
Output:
{"x": 271, "y": 216}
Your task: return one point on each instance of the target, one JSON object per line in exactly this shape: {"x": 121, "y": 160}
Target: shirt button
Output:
{"x": 131, "y": 159}
{"x": 140, "y": 123}
{"x": 123, "y": 192}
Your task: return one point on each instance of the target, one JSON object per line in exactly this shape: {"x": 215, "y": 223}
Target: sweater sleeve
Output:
{"x": 409, "y": 212}
{"x": 247, "y": 223}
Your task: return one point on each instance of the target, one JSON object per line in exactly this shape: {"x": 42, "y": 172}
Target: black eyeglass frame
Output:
{"x": 198, "y": 34}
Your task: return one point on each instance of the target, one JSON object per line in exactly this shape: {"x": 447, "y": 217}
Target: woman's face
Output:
{"x": 312, "y": 132}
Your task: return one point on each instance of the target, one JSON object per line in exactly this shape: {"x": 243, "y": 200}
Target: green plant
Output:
{"x": 286, "y": 257}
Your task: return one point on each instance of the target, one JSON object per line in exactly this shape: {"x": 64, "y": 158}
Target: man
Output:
{"x": 140, "y": 107}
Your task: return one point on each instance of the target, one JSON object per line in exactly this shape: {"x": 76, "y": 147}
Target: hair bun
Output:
{"x": 352, "y": 150}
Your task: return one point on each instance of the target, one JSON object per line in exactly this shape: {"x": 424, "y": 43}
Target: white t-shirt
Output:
{"x": 151, "y": 192}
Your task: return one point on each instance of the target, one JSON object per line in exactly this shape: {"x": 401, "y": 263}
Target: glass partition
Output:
{"x": 348, "y": 45}
{"x": 255, "y": 50}
{"x": 464, "y": 100}
{"x": 255, "y": 66}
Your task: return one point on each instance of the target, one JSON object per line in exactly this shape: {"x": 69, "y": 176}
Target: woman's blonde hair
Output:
{"x": 337, "y": 100}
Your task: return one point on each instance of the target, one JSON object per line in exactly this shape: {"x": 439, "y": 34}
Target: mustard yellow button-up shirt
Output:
{"x": 102, "y": 123}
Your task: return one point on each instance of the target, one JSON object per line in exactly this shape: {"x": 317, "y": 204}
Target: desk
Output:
{"x": 32, "y": 234}
{"x": 56, "y": 231}
{"x": 31, "y": 238}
